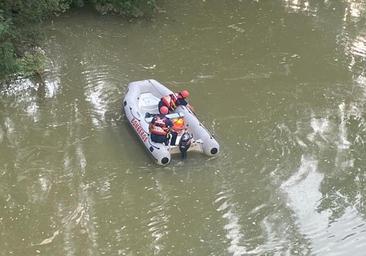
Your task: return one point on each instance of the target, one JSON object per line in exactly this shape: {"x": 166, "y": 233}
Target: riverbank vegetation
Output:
{"x": 21, "y": 34}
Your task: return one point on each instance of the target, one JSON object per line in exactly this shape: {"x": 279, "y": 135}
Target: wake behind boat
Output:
{"x": 141, "y": 104}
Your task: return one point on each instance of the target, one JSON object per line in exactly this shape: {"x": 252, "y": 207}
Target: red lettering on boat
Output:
{"x": 139, "y": 130}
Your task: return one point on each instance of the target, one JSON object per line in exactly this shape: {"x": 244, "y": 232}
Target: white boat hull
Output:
{"x": 143, "y": 97}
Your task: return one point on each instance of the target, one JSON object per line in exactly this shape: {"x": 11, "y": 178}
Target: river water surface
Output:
{"x": 282, "y": 85}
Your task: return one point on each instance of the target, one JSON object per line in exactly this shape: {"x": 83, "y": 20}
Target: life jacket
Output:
{"x": 178, "y": 124}
{"x": 178, "y": 95}
{"x": 159, "y": 127}
{"x": 170, "y": 101}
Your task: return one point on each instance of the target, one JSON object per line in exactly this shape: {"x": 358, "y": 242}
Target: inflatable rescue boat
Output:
{"x": 141, "y": 104}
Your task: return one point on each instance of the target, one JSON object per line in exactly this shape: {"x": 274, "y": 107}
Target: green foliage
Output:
{"x": 130, "y": 8}
{"x": 8, "y": 60}
{"x": 31, "y": 62}
{"x": 20, "y": 33}
{"x": 8, "y": 63}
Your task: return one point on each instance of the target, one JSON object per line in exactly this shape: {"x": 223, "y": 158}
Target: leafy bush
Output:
{"x": 20, "y": 33}
{"x": 31, "y": 62}
{"x": 130, "y": 8}
{"x": 8, "y": 60}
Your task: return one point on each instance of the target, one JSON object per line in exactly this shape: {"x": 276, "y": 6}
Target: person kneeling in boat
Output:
{"x": 177, "y": 128}
{"x": 172, "y": 101}
{"x": 160, "y": 126}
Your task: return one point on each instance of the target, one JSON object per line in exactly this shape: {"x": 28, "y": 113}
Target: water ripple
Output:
{"x": 304, "y": 197}
{"x": 99, "y": 92}
{"x": 158, "y": 217}
{"x": 23, "y": 95}
{"x": 355, "y": 9}
{"x": 232, "y": 228}
{"x": 358, "y": 47}
{"x": 300, "y": 6}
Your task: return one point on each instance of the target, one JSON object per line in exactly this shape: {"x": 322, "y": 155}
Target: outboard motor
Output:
{"x": 184, "y": 144}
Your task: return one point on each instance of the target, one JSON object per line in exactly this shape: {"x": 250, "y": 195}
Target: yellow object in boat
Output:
{"x": 178, "y": 123}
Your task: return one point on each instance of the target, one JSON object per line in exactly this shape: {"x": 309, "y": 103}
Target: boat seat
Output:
{"x": 148, "y": 103}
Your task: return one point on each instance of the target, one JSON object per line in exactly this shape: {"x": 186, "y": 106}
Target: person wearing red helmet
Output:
{"x": 160, "y": 126}
{"x": 183, "y": 95}
{"x": 181, "y": 99}
{"x": 171, "y": 101}
{"x": 164, "y": 110}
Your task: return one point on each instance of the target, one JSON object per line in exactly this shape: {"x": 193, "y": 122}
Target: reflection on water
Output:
{"x": 355, "y": 8}
{"x": 300, "y": 6}
{"x": 302, "y": 189}
{"x": 158, "y": 222}
{"x": 359, "y": 46}
{"x": 96, "y": 92}
{"x": 232, "y": 228}
{"x": 281, "y": 84}
{"x": 303, "y": 192}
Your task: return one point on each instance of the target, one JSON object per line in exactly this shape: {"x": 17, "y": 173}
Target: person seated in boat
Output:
{"x": 177, "y": 128}
{"x": 171, "y": 101}
{"x": 160, "y": 126}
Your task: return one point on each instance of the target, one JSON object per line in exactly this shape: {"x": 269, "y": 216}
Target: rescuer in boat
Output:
{"x": 171, "y": 101}
{"x": 177, "y": 128}
{"x": 160, "y": 127}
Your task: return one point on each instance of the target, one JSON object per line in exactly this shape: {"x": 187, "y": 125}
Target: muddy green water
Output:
{"x": 282, "y": 85}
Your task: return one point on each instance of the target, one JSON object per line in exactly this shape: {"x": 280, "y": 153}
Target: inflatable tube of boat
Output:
{"x": 136, "y": 117}
{"x": 141, "y": 102}
{"x": 209, "y": 144}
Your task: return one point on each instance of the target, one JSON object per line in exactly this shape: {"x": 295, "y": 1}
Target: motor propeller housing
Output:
{"x": 184, "y": 144}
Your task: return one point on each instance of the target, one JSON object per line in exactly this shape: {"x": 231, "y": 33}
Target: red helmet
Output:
{"x": 164, "y": 110}
{"x": 184, "y": 93}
